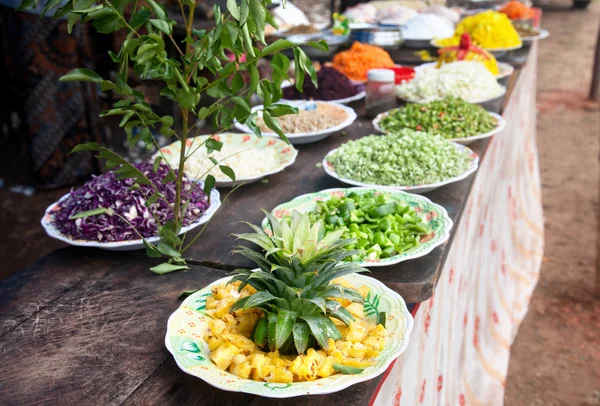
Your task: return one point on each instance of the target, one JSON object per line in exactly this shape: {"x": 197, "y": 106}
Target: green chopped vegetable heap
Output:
{"x": 405, "y": 158}
{"x": 451, "y": 118}
{"x": 382, "y": 227}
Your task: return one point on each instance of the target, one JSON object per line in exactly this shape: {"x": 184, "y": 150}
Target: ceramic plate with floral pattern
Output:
{"x": 187, "y": 326}
{"x": 282, "y": 156}
{"x": 435, "y": 216}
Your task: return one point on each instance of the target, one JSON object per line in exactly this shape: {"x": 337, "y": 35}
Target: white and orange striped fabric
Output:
{"x": 460, "y": 346}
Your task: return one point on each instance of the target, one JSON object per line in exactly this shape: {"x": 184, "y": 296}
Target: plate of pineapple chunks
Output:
{"x": 304, "y": 323}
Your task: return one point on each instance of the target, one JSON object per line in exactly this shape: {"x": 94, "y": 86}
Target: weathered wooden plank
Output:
{"x": 98, "y": 340}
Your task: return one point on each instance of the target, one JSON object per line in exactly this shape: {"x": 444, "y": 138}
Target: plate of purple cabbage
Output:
{"x": 112, "y": 232}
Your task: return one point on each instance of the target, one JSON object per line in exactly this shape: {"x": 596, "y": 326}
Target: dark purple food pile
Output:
{"x": 333, "y": 85}
{"x": 108, "y": 192}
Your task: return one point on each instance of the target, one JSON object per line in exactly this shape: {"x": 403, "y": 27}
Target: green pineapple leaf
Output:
{"x": 300, "y": 332}
{"x": 272, "y": 328}
{"x": 283, "y": 328}
{"x": 318, "y": 328}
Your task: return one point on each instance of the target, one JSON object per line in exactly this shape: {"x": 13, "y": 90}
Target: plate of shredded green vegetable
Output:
{"x": 407, "y": 160}
{"x": 452, "y": 118}
{"x": 387, "y": 226}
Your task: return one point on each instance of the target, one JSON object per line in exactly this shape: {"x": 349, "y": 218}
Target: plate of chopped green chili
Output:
{"x": 408, "y": 160}
{"x": 387, "y": 226}
{"x": 452, "y": 118}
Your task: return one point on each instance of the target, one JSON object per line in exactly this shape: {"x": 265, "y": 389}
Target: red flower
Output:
{"x": 397, "y": 397}
{"x": 427, "y": 322}
{"x": 271, "y": 142}
{"x": 440, "y": 382}
{"x": 461, "y": 400}
{"x": 495, "y": 317}
{"x": 246, "y": 138}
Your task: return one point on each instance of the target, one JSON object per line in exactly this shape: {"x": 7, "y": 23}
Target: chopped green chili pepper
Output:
{"x": 382, "y": 227}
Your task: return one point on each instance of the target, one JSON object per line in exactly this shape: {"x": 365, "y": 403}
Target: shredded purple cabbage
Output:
{"x": 108, "y": 192}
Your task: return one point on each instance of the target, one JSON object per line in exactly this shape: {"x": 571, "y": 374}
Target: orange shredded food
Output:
{"x": 515, "y": 10}
{"x": 356, "y": 62}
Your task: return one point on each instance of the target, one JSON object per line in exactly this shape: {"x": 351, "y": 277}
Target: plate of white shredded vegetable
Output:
{"x": 408, "y": 160}
{"x": 468, "y": 80}
{"x": 251, "y": 158}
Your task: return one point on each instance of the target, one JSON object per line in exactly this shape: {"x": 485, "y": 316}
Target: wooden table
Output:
{"x": 84, "y": 326}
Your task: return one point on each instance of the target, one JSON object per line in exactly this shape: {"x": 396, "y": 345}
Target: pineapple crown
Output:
{"x": 297, "y": 263}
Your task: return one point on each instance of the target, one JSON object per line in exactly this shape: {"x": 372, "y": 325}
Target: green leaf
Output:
{"x": 198, "y": 33}
{"x": 318, "y": 329}
{"x": 259, "y": 335}
{"x": 278, "y": 110}
{"x": 187, "y": 293}
{"x": 258, "y": 13}
{"x": 239, "y": 101}
{"x": 151, "y": 250}
{"x": 234, "y": 9}
{"x": 299, "y": 69}
{"x": 381, "y": 318}
{"x": 50, "y": 5}
{"x": 71, "y": 20}
{"x": 166, "y": 121}
{"x": 209, "y": 184}
{"x": 167, "y": 268}
{"x": 244, "y": 11}
{"x": 158, "y": 9}
{"x": 28, "y": 5}
{"x": 213, "y": 145}
{"x": 283, "y": 328}
{"x": 347, "y": 370}
{"x": 272, "y": 328}
{"x": 108, "y": 23}
{"x": 162, "y": 25}
{"x": 167, "y": 250}
{"x": 254, "y": 77}
{"x": 251, "y": 123}
{"x": 321, "y": 45}
{"x": 81, "y": 75}
{"x": 237, "y": 83}
{"x": 258, "y": 299}
{"x": 227, "y": 171}
{"x": 274, "y": 125}
{"x": 94, "y": 212}
{"x": 186, "y": 99}
{"x": 277, "y": 46}
{"x": 300, "y": 332}
{"x": 139, "y": 18}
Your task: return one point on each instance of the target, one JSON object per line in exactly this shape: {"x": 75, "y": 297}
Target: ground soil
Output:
{"x": 556, "y": 355}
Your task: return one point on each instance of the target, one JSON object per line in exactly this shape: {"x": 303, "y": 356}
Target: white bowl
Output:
{"x": 330, "y": 170}
{"x": 462, "y": 141}
{"x": 129, "y": 245}
{"x": 308, "y": 137}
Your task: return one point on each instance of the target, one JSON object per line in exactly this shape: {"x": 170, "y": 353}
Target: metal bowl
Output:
{"x": 389, "y": 38}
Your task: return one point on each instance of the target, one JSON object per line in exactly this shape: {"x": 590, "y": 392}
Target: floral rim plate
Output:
{"x": 308, "y": 137}
{"x": 330, "y": 170}
{"x": 542, "y": 35}
{"x": 185, "y": 340}
{"x": 286, "y": 155}
{"x": 491, "y": 50}
{"x": 464, "y": 141}
{"x": 130, "y": 245}
{"x": 436, "y": 216}
{"x": 504, "y": 69}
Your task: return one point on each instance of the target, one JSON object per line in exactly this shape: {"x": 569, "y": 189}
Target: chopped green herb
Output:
{"x": 405, "y": 158}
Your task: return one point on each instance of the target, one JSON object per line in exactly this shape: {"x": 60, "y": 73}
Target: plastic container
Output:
{"x": 403, "y": 73}
{"x": 380, "y": 96}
